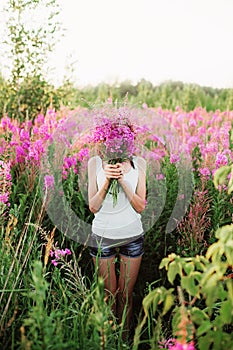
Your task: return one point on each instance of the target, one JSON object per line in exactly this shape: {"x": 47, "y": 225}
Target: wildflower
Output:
{"x": 192, "y": 123}
{"x": 205, "y": 172}
{"x": 40, "y": 119}
{"x": 82, "y": 154}
{"x": 48, "y": 182}
{"x": 211, "y": 147}
{"x": 4, "y": 198}
{"x": 58, "y": 254}
{"x": 7, "y": 124}
{"x": 174, "y": 158}
{"x": 35, "y": 151}
{"x": 174, "y": 344}
{"x": 20, "y": 154}
{"x": 178, "y": 346}
{"x": 69, "y": 163}
{"x": 54, "y": 262}
{"x": 164, "y": 344}
{"x": 221, "y": 159}
{"x": 5, "y": 182}
{"x": 160, "y": 176}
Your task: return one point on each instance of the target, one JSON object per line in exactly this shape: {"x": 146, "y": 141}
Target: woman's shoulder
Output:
{"x": 140, "y": 162}
{"x": 94, "y": 160}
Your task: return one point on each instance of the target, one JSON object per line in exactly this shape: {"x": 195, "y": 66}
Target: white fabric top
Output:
{"x": 121, "y": 220}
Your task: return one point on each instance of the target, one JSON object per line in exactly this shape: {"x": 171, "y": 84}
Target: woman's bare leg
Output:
{"x": 106, "y": 269}
{"x": 129, "y": 268}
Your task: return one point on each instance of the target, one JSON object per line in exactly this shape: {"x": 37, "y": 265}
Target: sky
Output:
{"x": 157, "y": 40}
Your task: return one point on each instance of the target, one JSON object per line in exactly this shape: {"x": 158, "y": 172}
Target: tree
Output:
{"x": 30, "y": 42}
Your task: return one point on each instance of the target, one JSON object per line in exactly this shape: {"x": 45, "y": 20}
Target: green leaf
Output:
{"x": 173, "y": 270}
{"x": 188, "y": 268}
{"x": 198, "y": 316}
{"x": 212, "y": 275}
{"x": 220, "y": 175}
{"x": 230, "y": 189}
{"x": 229, "y": 254}
{"x": 152, "y": 299}
{"x": 188, "y": 283}
{"x": 226, "y": 312}
{"x": 225, "y": 233}
{"x": 229, "y": 284}
{"x": 214, "y": 251}
{"x": 169, "y": 300}
{"x": 205, "y": 342}
{"x": 204, "y": 327}
{"x": 164, "y": 263}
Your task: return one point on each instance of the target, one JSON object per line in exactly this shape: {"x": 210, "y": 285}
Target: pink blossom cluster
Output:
{"x": 178, "y": 346}
{"x": 5, "y": 182}
{"x": 57, "y": 254}
{"x": 210, "y": 132}
{"x": 116, "y": 137}
{"x": 25, "y": 144}
{"x": 174, "y": 344}
{"x": 49, "y": 182}
{"x": 71, "y": 161}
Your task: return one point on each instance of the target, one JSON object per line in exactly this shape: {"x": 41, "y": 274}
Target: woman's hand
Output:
{"x": 121, "y": 172}
{"x": 113, "y": 171}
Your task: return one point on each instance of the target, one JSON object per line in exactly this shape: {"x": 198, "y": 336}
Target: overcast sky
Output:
{"x": 187, "y": 40}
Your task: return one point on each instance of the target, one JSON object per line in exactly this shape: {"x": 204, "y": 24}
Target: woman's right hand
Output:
{"x": 112, "y": 171}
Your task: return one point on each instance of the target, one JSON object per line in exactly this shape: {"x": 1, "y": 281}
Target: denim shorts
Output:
{"x": 108, "y": 248}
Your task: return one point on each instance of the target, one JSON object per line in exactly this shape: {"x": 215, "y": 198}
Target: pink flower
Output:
{"x": 178, "y": 346}
{"x": 40, "y": 119}
{"x": 58, "y": 254}
{"x": 84, "y": 152}
{"x": 159, "y": 177}
{"x": 54, "y": 262}
{"x": 192, "y": 123}
{"x": 4, "y": 198}
{"x": 116, "y": 137}
{"x": 20, "y": 154}
{"x": 221, "y": 159}
{"x": 164, "y": 344}
{"x": 36, "y": 149}
{"x": 174, "y": 158}
{"x": 70, "y": 162}
{"x": 205, "y": 172}
{"x": 212, "y": 147}
{"x": 48, "y": 182}
{"x": 6, "y": 124}
{"x": 5, "y": 182}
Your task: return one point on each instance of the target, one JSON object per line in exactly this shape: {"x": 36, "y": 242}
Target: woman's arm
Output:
{"x": 95, "y": 197}
{"x": 137, "y": 199}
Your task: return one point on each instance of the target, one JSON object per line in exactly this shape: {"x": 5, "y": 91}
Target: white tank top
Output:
{"x": 121, "y": 220}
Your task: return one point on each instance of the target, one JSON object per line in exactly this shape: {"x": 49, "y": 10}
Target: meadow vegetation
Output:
{"x": 50, "y": 294}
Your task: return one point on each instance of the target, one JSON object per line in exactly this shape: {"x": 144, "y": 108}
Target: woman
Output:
{"x": 117, "y": 228}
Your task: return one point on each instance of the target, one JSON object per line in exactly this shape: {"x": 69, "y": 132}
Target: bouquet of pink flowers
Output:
{"x": 115, "y": 136}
